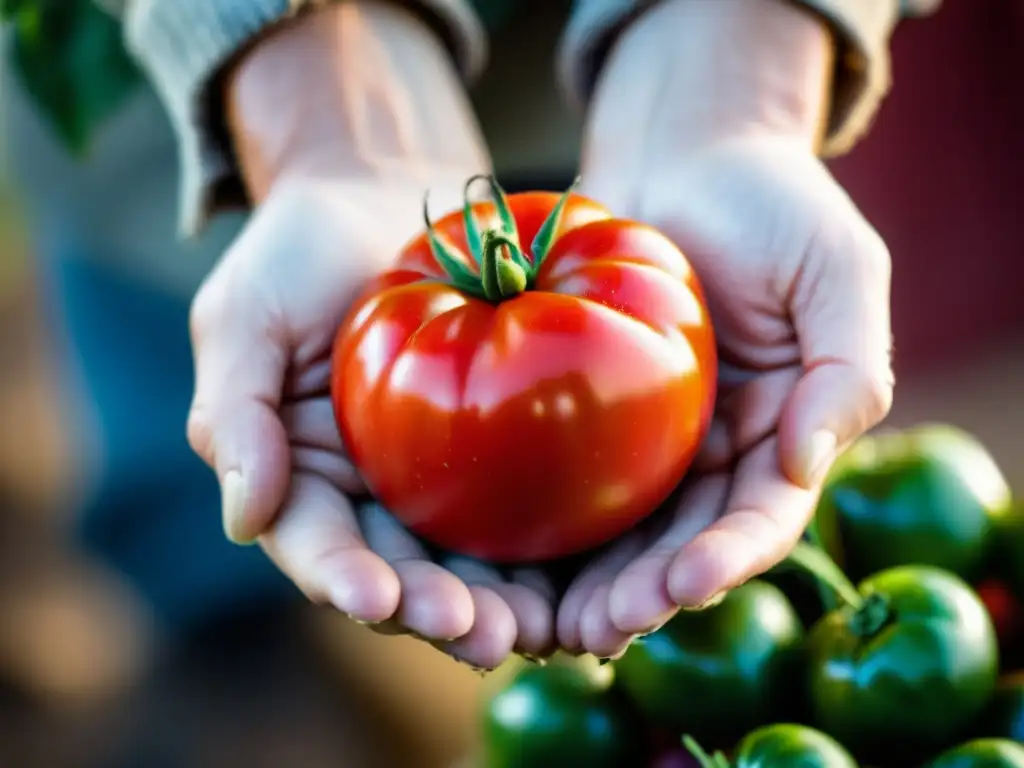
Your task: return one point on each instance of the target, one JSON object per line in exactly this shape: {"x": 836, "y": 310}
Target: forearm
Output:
{"x": 859, "y": 69}
{"x": 355, "y": 90}
{"x": 184, "y": 46}
{"x": 715, "y": 69}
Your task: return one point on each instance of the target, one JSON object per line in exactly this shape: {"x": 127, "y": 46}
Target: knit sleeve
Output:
{"x": 182, "y": 46}
{"x": 863, "y": 29}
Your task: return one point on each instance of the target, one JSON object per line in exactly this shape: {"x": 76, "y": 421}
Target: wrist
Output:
{"x": 354, "y": 90}
{"x": 719, "y": 69}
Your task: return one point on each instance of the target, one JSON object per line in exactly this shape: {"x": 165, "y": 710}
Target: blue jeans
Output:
{"x": 155, "y": 513}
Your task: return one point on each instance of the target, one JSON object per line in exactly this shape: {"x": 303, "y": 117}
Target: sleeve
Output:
{"x": 863, "y": 77}
{"x": 182, "y": 46}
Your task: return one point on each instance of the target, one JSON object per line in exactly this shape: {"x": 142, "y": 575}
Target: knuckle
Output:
{"x": 204, "y": 312}
{"x": 876, "y": 389}
{"x": 199, "y": 432}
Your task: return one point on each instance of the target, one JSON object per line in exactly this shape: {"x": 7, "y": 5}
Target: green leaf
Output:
{"x": 71, "y": 59}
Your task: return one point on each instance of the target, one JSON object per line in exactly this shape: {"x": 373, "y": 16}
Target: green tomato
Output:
{"x": 793, "y": 746}
{"x": 563, "y": 715}
{"x": 925, "y": 496}
{"x": 982, "y": 753}
{"x": 1004, "y": 718}
{"x": 906, "y": 674}
{"x": 716, "y": 673}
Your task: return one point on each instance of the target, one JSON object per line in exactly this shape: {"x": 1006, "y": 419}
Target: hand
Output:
{"x": 798, "y": 286}
{"x": 334, "y": 205}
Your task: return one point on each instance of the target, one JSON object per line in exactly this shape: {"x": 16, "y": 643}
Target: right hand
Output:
{"x": 332, "y": 211}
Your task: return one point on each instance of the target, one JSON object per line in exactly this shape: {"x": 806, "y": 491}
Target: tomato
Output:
{"x": 540, "y": 404}
{"x": 773, "y": 746}
{"x": 910, "y": 669}
{"x": 927, "y": 496}
{"x": 560, "y": 716}
{"x": 716, "y": 673}
{"x": 792, "y": 745}
{"x": 982, "y": 753}
{"x": 1004, "y": 717}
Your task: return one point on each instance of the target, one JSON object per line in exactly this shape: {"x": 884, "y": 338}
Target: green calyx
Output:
{"x": 502, "y": 269}
{"x": 814, "y": 561}
{"x": 716, "y": 760}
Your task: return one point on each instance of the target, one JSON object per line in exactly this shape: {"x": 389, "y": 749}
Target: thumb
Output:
{"x": 240, "y": 364}
{"x": 841, "y": 314}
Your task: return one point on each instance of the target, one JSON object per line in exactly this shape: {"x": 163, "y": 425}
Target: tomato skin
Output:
{"x": 981, "y": 753}
{"x": 716, "y": 674}
{"x": 898, "y": 692}
{"x": 923, "y": 496}
{"x": 1004, "y": 718}
{"x": 559, "y": 716}
{"x": 543, "y": 425}
{"x": 791, "y": 745}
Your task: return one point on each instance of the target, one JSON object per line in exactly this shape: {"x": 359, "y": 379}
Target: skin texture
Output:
{"x": 930, "y": 495}
{"x": 341, "y": 120}
{"x": 898, "y": 690}
{"x": 983, "y": 753}
{"x": 543, "y": 425}
{"x": 736, "y": 655}
{"x": 718, "y": 152}
{"x": 559, "y": 716}
{"x": 794, "y": 746}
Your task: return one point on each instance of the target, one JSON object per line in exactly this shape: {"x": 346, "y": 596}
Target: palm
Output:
{"x": 752, "y": 218}
{"x": 354, "y": 557}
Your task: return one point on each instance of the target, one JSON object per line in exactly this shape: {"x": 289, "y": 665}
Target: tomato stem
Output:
{"x": 502, "y": 278}
{"x": 813, "y": 560}
{"x": 872, "y": 616}
{"x": 473, "y": 237}
{"x": 461, "y": 276}
{"x": 545, "y": 238}
{"x": 701, "y": 756}
{"x": 698, "y": 753}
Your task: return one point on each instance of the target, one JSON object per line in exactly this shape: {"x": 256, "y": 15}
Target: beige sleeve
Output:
{"x": 863, "y": 29}
{"x": 183, "y": 44}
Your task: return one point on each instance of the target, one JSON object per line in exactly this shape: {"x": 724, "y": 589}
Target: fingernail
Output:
{"x": 820, "y": 455}
{"x": 711, "y": 602}
{"x": 233, "y": 497}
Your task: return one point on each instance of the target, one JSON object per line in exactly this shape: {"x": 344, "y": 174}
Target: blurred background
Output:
{"x": 109, "y": 528}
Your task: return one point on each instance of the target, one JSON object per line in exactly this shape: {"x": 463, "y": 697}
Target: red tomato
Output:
{"x": 1002, "y": 607}
{"x": 535, "y": 423}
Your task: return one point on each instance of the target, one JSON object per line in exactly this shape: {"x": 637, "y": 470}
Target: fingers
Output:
{"x": 840, "y": 310}
{"x": 233, "y": 424}
{"x": 639, "y": 601}
{"x": 464, "y": 607}
{"x": 764, "y": 517}
{"x": 435, "y": 604}
{"x": 600, "y": 573}
{"x": 529, "y": 597}
{"x": 316, "y": 542}
{"x": 316, "y": 446}
{"x": 746, "y": 415}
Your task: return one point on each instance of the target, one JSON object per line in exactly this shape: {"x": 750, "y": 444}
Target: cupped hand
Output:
{"x": 263, "y": 325}
{"x": 798, "y": 286}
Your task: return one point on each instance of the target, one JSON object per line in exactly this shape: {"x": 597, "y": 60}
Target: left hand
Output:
{"x": 798, "y": 286}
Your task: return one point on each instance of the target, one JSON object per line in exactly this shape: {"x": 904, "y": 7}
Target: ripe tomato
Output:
{"x": 523, "y": 404}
